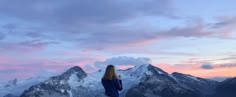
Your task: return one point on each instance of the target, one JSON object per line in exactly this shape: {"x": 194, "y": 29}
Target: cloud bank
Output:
{"x": 123, "y": 60}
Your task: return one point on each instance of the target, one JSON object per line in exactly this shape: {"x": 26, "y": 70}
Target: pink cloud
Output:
{"x": 4, "y": 60}
{"x": 196, "y": 70}
{"x": 35, "y": 64}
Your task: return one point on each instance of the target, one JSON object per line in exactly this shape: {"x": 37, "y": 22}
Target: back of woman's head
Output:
{"x": 110, "y": 73}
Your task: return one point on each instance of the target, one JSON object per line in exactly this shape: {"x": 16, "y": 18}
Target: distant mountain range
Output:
{"x": 16, "y": 87}
{"x": 140, "y": 81}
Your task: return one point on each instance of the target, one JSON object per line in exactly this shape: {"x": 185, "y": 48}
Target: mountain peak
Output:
{"x": 141, "y": 72}
{"x": 80, "y": 73}
{"x": 148, "y": 68}
{"x": 156, "y": 70}
{"x": 59, "y": 85}
{"x": 75, "y": 69}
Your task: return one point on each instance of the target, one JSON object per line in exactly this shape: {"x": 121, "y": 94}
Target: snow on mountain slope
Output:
{"x": 16, "y": 87}
{"x": 92, "y": 83}
{"x": 57, "y": 86}
{"x": 196, "y": 83}
{"x": 162, "y": 84}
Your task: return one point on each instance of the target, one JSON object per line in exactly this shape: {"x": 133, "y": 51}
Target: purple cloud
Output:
{"x": 10, "y": 27}
{"x": 212, "y": 66}
{"x": 26, "y": 46}
{"x": 228, "y": 65}
{"x": 129, "y": 37}
{"x": 84, "y": 10}
{"x": 207, "y": 66}
{"x": 34, "y": 34}
{"x": 225, "y": 21}
{"x": 2, "y": 36}
{"x": 198, "y": 30}
{"x": 97, "y": 25}
{"x": 7, "y": 71}
{"x": 70, "y": 21}
{"x": 226, "y": 26}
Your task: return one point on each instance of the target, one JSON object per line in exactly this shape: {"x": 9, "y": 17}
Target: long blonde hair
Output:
{"x": 110, "y": 73}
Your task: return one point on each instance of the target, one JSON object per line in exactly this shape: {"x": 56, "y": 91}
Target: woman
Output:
{"x": 111, "y": 82}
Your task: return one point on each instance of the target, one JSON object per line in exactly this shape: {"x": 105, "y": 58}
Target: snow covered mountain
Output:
{"x": 16, "y": 87}
{"x": 175, "y": 85}
{"x": 140, "y": 81}
{"x": 206, "y": 87}
{"x": 57, "y": 86}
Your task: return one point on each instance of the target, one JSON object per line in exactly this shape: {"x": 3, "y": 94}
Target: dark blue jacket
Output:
{"x": 112, "y": 87}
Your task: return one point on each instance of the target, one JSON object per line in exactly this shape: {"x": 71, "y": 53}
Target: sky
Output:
{"x": 195, "y": 37}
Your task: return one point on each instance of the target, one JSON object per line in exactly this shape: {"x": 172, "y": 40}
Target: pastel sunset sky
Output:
{"x": 196, "y": 37}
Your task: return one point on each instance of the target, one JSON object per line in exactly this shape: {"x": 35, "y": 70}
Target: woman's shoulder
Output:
{"x": 115, "y": 79}
{"x": 106, "y": 79}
